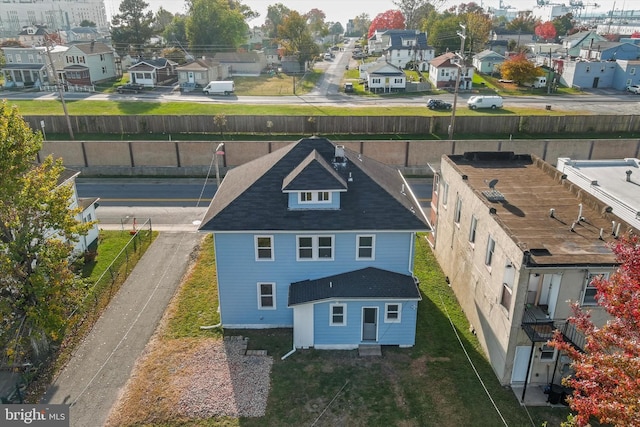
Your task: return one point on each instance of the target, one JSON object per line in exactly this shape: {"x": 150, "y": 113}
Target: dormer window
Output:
{"x": 314, "y": 197}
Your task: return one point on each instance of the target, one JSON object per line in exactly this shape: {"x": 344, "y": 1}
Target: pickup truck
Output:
{"x": 130, "y": 88}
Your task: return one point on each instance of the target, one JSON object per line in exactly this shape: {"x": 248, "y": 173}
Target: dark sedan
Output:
{"x": 130, "y": 88}
{"x": 436, "y": 104}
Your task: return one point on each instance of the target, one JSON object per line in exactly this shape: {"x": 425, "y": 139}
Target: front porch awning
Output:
{"x": 367, "y": 283}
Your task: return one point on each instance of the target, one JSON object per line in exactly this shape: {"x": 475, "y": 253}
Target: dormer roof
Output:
{"x": 313, "y": 173}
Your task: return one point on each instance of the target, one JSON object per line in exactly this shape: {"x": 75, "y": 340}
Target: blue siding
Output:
{"x": 239, "y": 272}
{"x": 402, "y": 333}
{"x": 335, "y": 202}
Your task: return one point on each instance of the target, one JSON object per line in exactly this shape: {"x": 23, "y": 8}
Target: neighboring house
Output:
{"x": 88, "y": 213}
{"x": 584, "y": 74}
{"x": 613, "y": 182}
{"x": 242, "y": 63}
{"x": 89, "y": 63}
{"x": 609, "y": 51}
{"x": 200, "y": 72}
{"x": 407, "y": 47}
{"x": 385, "y": 77}
{"x": 572, "y": 44}
{"x": 153, "y": 72}
{"x": 29, "y": 67}
{"x": 82, "y": 34}
{"x": 627, "y": 74}
{"x": 272, "y": 56}
{"x": 317, "y": 238}
{"x": 516, "y": 241}
{"x": 488, "y": 61}
{"x": 444, "y": 69}
{"x": 291, "y": 65}
{"x": 33, "y": 35}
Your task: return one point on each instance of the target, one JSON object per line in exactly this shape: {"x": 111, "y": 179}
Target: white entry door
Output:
{"x": 190, "y": 77}
{"x": 520, "y": 363}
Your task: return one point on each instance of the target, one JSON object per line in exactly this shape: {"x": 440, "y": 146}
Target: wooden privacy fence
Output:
{"x": 365, "y": 125}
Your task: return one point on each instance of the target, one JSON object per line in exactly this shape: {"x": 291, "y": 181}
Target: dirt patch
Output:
{"x": 188, "y": 378}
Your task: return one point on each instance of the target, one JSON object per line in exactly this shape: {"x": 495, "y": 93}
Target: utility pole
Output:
{"x": 54, "y": 75}
{"x": 461, "y": 68}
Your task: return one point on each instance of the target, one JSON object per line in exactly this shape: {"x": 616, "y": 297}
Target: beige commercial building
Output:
{"x": 517, "y": 242}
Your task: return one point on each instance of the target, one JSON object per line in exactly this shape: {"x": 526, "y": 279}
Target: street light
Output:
{"x": 219, "y": 152}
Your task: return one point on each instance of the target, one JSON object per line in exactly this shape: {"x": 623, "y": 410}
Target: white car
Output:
{"x": 634, "y": 89}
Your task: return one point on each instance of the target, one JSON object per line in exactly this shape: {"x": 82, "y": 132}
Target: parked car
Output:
{"x": 485, "y": 101}
{"x": 437, "y": 104}
{"x": 348, "y": 87}
{"x": 130, "y": 88}
{"x": 634, "y": 89}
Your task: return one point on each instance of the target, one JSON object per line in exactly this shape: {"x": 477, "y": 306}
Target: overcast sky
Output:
{"x": 343, "y": 10}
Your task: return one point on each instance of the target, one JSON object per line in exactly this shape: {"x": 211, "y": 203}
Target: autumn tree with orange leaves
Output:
{"x": 606, "y": 382}
{"x": 389, "y": 20}
{"x": 546, "y": 31}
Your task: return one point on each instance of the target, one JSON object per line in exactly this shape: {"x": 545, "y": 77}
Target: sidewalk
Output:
{"x": 101, "y": 365}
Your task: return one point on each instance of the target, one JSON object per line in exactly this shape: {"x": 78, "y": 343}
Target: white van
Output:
{"x": 221, "y": 87}
{"x": 538, "y": 82}
{"x": 485, "y": 101}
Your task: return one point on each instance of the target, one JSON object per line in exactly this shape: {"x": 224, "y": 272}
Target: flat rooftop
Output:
{"x": 608, "y": 181}
{"x": 527, "y": 190}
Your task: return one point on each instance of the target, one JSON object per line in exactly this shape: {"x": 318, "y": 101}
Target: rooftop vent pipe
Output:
{"x": 629, "y": 172}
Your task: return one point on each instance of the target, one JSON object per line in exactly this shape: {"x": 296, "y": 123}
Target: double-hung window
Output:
{"x": 264, "y": 248}
{"x": 366, "y": 247}
{"x": 589, "y": 296}
{"x": 491, "y": 247}
{"x": 392, "y": 313}
{"x": 458, "y": 211}
{"x": 338, "y": 315}
{"x": 314, "y": 197}
{"x": 314, "y": 248}
{"x": 266, "y": 296}
{"x": 472, "y": 229}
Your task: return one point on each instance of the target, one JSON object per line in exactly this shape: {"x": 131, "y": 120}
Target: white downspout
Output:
{"x": 293, "y": 350}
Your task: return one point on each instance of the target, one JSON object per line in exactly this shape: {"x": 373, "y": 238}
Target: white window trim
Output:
{"x": 546, "y": 359}
{"x": 373, "y": 247}
{"x": 263, "y": 236}
{"x": 344, "y": 315}
{"x": 386, "y": 313}
{"x": 590, "y": 276}
{"x": 273, "y": 295}
{"x": 315, "y": 197}
{"x": 315, "y": 247}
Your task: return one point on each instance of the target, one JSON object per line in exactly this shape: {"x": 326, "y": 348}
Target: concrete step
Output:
{"x": 367, "y": 350}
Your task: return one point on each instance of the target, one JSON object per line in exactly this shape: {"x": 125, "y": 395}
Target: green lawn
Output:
{"x": 91, "y": 108}
{"x": 431, "y": 384}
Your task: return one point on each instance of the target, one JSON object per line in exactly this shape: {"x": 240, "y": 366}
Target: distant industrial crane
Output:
{"x": 578, "y": 5}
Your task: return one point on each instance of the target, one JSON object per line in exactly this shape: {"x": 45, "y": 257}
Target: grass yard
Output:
{"x": 431, "y": 384}
{"x": 100, "y": 108}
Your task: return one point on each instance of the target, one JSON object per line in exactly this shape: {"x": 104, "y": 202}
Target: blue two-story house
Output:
{"x": 320, "y": 239}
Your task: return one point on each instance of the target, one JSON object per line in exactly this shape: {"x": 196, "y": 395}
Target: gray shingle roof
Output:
{"x": 313, "y": 173}
{"x": 251, "y": 197}
{"x": 397, "y": 38}
{"x": 368, "y": 282}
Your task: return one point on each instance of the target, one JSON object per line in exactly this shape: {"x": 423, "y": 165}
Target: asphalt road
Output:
{"x": 172, "y": 204}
